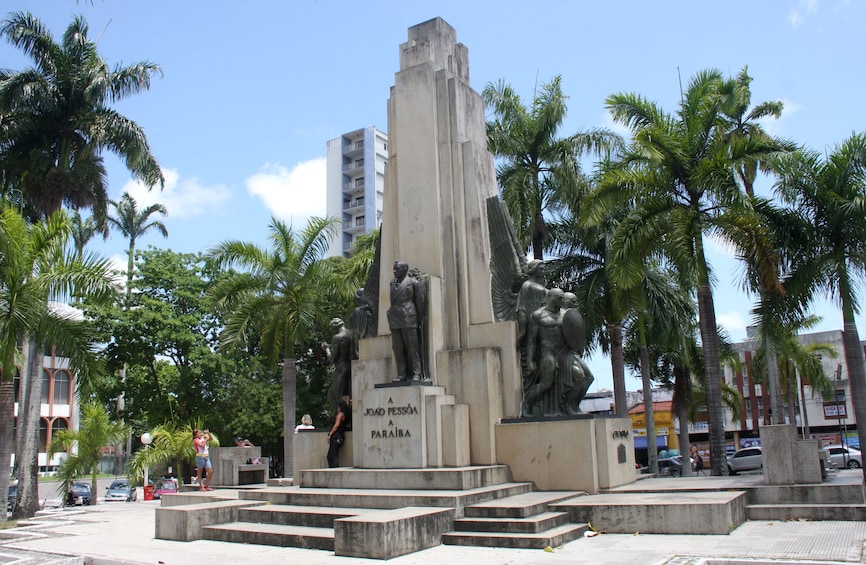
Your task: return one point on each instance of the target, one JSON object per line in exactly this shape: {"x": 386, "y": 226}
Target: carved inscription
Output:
{"x": 393, "y": 430}
{"x": 619, "y": 434}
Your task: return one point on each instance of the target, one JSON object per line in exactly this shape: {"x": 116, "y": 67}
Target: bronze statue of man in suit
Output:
{"x": 404, "y": 318}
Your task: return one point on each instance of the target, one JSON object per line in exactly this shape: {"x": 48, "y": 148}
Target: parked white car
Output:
{"x": 746, "y": 459}
{"x": 844, "y": 456}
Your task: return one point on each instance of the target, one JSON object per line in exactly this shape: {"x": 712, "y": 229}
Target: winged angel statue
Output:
{"x": 551, "y": 334}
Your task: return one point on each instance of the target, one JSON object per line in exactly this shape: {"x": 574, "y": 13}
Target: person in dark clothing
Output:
{"x": 337, "y": 435}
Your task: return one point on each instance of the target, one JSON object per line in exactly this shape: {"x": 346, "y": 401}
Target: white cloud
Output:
{"x": 734, "y": 323}
{"x": 183, "y": 197}
{"x": 797, "y": 16}
{"x": 291, "y": 195}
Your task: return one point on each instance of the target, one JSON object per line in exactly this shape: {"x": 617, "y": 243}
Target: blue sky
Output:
{"x": 251, "y": 92}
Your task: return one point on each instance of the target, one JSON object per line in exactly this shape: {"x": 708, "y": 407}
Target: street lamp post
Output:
{"x": 146, "y": 439}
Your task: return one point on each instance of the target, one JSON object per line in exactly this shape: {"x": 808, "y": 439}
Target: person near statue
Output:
{"x": 340, "y": 352}
{"x": 405, "y": 318}
{"x": 337, "y": 435}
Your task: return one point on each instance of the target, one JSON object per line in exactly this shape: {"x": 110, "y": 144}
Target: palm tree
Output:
{"x": 830, "y": 193}
{"x": 94, "y": 432}
{"x": 794, "y": 358}
{"x": 679, "y": 170}
{"x": 134, "y": 223}
{"x": 33, "y": 270}
{"x": 582, "y": 266}
{"x": 275, "y": 299}
{"x": 59, "y": 120}
{"x": 744, "y": 124}
{"x": 83, "y": 231}
{"x": 537, "y": 167}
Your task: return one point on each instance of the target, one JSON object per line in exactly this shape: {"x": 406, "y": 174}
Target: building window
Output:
{"x": 359, "y": 221}
{"x": 748, "y": 405}
{"x": 359, "y": 163}
{"x": 61, "y": 387}
{"x": 359, "y": 182}
{"x": 46, "y": 386}
{"x": 43, "y": 435}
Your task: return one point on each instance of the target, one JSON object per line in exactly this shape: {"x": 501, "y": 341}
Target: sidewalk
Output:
{"x": 122, "y": 533}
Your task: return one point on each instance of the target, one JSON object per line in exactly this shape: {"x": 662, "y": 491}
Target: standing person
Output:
{"x": 404, "y": 317}
{"x": 337, "y": 435}
{"x": 202, "y": 460}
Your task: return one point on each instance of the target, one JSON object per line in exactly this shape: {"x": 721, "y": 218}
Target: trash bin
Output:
{"x": 148, "y": 492}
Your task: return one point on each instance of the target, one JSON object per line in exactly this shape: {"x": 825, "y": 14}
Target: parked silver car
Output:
{"x": 746, "y": 459}
{"x": 121, "y": 490}
{"x": 844, "y": 456}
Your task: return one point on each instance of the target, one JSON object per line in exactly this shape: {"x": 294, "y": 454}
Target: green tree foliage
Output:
{"x": 679, "y": 170}
{"x": 830, "y": 193}
{"x": 275, "y": 299}
{"x": 167, "y": 336}
{"x": 134, "y": 223}
{"x": 537, "y": 167}
{"x": 95, "y": 430}
{"x": 58, "y": 119}
{"x": 34, "y": 269}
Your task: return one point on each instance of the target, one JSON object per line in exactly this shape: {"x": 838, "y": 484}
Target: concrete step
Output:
{"x": 288, "y": 515}
{"x": 271, "y": 534}
{"x": 531, "y": 525}
{"x": 520, "y": 505}
{"x": 384, "y": 498}
{"x": 658, "y": 513}
{"x": 553, "y": 538}
{"x": 449, "y": 478}
{"x": 815, "y": 512}
{"x": 824, "y": 493}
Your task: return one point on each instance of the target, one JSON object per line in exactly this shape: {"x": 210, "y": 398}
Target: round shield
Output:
{"x": 574, "y": 330}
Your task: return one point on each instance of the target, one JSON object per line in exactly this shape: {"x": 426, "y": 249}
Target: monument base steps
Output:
{"x": 840, "y": 497}
{"x": 521, "y": 521}
{"x": 271, "y": 534}
{"x": 361, "y": 518}
{"x": 812, "y": 512}
{"x": 659, "y": 513}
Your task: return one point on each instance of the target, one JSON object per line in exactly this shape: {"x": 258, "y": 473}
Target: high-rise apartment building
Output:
{"x": 355, "y": 184}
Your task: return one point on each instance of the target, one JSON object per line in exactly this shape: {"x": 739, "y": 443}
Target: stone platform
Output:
{"x": 386, "y": 513}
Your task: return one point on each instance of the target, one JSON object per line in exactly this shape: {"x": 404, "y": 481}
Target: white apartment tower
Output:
{"x": 355, "y": 184}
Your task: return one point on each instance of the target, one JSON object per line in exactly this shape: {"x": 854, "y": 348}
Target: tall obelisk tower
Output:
{"x": 438, "y": 179}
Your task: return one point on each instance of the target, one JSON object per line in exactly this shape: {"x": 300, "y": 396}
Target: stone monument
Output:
{"x": 438, "y": 181}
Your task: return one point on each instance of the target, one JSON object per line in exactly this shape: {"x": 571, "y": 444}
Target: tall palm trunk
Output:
{"x": 290, "y": 390}
{"x": 649, "y": 410}
{"x": 29, "y": 417}
{"x": 712, "y": 366}
{"x": 617, "y": 368}
{"x": 682, "y": 399}
{"x": 856, "y": 375}
{"x": 7, "y": 422}
{"x": 774, "y": 385}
